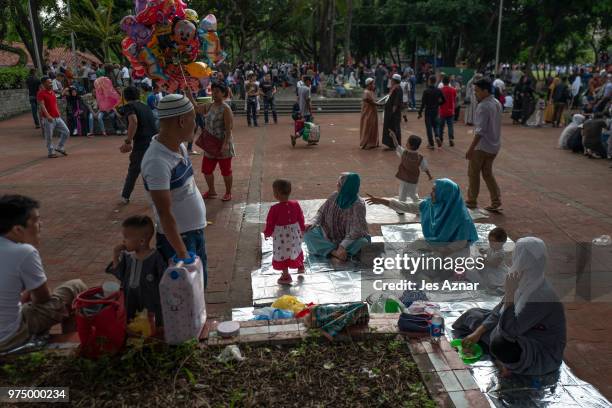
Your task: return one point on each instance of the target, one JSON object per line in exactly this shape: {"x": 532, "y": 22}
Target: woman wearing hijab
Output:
{"x": 339, "y": 228}
{"x": 76, "y": 111}
{"x": 471, "y": 100}
{"x": 447, "y": 225}
{"x": 368, "y": 127}
{"x": 526, "y": 331}
{"x": 571, "y": 129}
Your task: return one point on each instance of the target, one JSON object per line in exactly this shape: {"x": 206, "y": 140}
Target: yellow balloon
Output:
{"x": 198, "y": 69}
{"x": 192, "y": 16}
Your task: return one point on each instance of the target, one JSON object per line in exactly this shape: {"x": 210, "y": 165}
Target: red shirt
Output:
{"x": 448, "y": 107}
{"x": 50, "y": 101}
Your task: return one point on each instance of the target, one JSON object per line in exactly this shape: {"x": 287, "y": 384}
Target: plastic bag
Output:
{"x": 230, "y": 353}
{"x": 288, "y": 302}
{"x": 384, "y": 303}
{"x": 272, "y": 313}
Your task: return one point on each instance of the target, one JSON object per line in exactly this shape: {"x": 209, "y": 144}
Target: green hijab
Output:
{"x": 349, "y": 190}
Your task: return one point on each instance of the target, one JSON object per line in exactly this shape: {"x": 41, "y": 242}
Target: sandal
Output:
{"x": 284, "y": 280}
{"x": 226, "y": 197}
{"x": 208, "y": 195}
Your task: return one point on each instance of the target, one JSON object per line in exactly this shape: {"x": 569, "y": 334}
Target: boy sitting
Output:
{"x": 139, "y": 267}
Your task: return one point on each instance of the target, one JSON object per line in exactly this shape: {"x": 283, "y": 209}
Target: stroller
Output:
{"x": 308, "y": 131}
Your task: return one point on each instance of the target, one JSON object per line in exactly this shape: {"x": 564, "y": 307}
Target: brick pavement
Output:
{"x": 561, "y": 197}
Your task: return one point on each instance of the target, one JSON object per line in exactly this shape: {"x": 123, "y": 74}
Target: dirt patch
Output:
{"x": 310, "y": 374}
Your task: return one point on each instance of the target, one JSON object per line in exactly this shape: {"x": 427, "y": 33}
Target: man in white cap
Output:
{"x": 393, "y": 113}
{"x": 167, "y": 172}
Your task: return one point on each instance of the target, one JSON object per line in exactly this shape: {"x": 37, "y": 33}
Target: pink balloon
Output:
{"x": 105, "y": 94}
{"x": 140, "y": 33}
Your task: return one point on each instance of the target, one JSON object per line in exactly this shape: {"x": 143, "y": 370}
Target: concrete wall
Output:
{"x": 13, "y": 102}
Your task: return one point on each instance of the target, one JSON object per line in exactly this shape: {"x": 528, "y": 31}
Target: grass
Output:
{"x": 377, "y": 373}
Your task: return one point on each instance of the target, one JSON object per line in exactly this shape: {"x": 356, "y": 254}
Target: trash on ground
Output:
{"x": 230, "y": 353}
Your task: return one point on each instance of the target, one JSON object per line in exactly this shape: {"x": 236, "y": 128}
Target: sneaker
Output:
{"x": 125, "y": 201}
{"x": 52, "y": 156}
{"x": 74, "y": 132}
{"x": 62, "y": 152}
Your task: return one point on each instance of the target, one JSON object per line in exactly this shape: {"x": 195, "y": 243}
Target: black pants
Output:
{"x": 392, "y": 122}
{"x": 269, "y": 104}
{"x": 431, "y": 126}
{"x": 506, "y": 351}
{"x": 133, "y": 172}
{"x": 252, "y": 110}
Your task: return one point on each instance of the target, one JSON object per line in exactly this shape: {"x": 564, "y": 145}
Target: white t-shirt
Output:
{"x": 125, "y": 73}
{"x": 498, "y": 83}
{"x": 163, "y": 169}
{"x": 21, "y": 269}
{"x": 147, "y": 80}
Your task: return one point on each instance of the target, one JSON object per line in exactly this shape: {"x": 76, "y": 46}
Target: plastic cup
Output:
{"x": 109, "y": 288}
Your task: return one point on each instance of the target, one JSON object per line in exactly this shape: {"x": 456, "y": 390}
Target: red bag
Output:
{"x": 209, "y": 143}
{"x": 100, "y": 331}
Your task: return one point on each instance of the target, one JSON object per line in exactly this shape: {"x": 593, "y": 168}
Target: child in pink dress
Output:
{"x": 285, "y": 223}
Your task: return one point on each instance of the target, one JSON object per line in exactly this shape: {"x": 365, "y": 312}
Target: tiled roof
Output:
{"x": 49, "y": 55}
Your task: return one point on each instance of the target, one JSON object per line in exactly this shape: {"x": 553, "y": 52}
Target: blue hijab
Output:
{"x": 447, "y": 220}
{"x": 349, "y": 191}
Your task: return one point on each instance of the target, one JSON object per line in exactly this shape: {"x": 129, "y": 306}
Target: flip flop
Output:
{"x": 207, "y": 195}
{"x": 226, "y": 197}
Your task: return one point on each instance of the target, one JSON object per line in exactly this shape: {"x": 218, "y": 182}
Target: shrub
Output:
{"x": 13, "y": 77}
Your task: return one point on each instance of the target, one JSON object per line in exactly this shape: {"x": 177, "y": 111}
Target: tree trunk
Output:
{"x": 326, "y": 30}
{"x": 347, "y": 33}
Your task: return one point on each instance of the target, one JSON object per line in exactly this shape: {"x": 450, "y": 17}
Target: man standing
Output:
{"x": 268, "y": 90}
{"x": 304, "y": 99}
{"x": 51, "y": 118}
{"x": 447, "y": 111}
{"x": 560, "y": 97}
{"x": 125, "y": 76}
{"x": 27, "y": 306}
{"x": 431, "y": 101}
{"x": 485, "y": 146}
{"x": 84, "y": 72}
{"x": 252, "y": 91}
{"x": 379, "y": 74}
{"x": 393, "y": 114}
{"x": 141, "y": 128}
{"x": 167, "y": 172}
{"x": 33, "y": 84}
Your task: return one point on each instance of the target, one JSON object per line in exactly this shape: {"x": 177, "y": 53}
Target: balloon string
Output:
{"x": 183, "y": 74}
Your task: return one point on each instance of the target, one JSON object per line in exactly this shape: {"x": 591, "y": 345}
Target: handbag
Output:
{"x": 415, "y": 323}
{"x": 209, "y": 143}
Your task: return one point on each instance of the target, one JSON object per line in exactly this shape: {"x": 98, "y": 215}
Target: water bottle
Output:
{"x": 437, "y": 327}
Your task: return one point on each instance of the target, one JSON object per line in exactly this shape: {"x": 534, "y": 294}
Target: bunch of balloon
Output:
{"x": 165, "y": 44}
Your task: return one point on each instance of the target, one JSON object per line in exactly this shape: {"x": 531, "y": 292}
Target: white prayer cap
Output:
{"x": 173, "y": 105}
{"x": 397, "y": 77}
{"x": 369, "y": 81}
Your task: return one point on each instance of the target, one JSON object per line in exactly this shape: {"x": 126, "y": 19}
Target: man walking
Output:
{"x": 485, "y": 146}
{"x": 431, "y": 101}
{"x": 304, "y": 99}
{"x": 268, "y": 90}
{"x": 393, "y": 114}
{"x": 167, "y": 172}
{"x": 447, "y": 111}
{"x": 33, "y": 84}
{"x": 141, "y": 128}
{"x": 51, "y": 118}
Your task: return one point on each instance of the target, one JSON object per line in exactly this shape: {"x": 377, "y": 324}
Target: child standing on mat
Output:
{"x": 285, "y": 223}
{"x": 139, "y": 267}
{"x": 410, "y": 167}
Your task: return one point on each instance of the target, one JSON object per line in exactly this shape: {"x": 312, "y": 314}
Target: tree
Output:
{"x": 96, "y": 27}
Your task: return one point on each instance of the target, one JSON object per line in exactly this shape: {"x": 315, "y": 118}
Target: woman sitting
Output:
{"x": 447, "y": 225}
{"x": 570, "y": 130}
{"x": 525, "y": 332}
{"x": 339, "y": 228}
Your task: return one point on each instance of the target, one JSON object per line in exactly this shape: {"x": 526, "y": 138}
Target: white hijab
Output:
{"x": 529, "y": 258}
{"x": 569, "y": 130}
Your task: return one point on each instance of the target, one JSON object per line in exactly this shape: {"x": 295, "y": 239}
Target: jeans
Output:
{"x": 431, "y": 125}
{"x": 194, "y": 241}
{"x": 413, "y": 93}
{"x": 34, "y": 106}
{"x": 269, "y": 103}
{"x": 133, "y": 172}
{"x": 49, "y": 125}
{"x": 252, "y": 111}
{"x": 100, "y": 117}
{"x": 482, "y": 162}
{"x": 449, "y": 122}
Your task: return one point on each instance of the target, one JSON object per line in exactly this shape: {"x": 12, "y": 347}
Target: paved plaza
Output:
{"x": 560, "y": 197}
